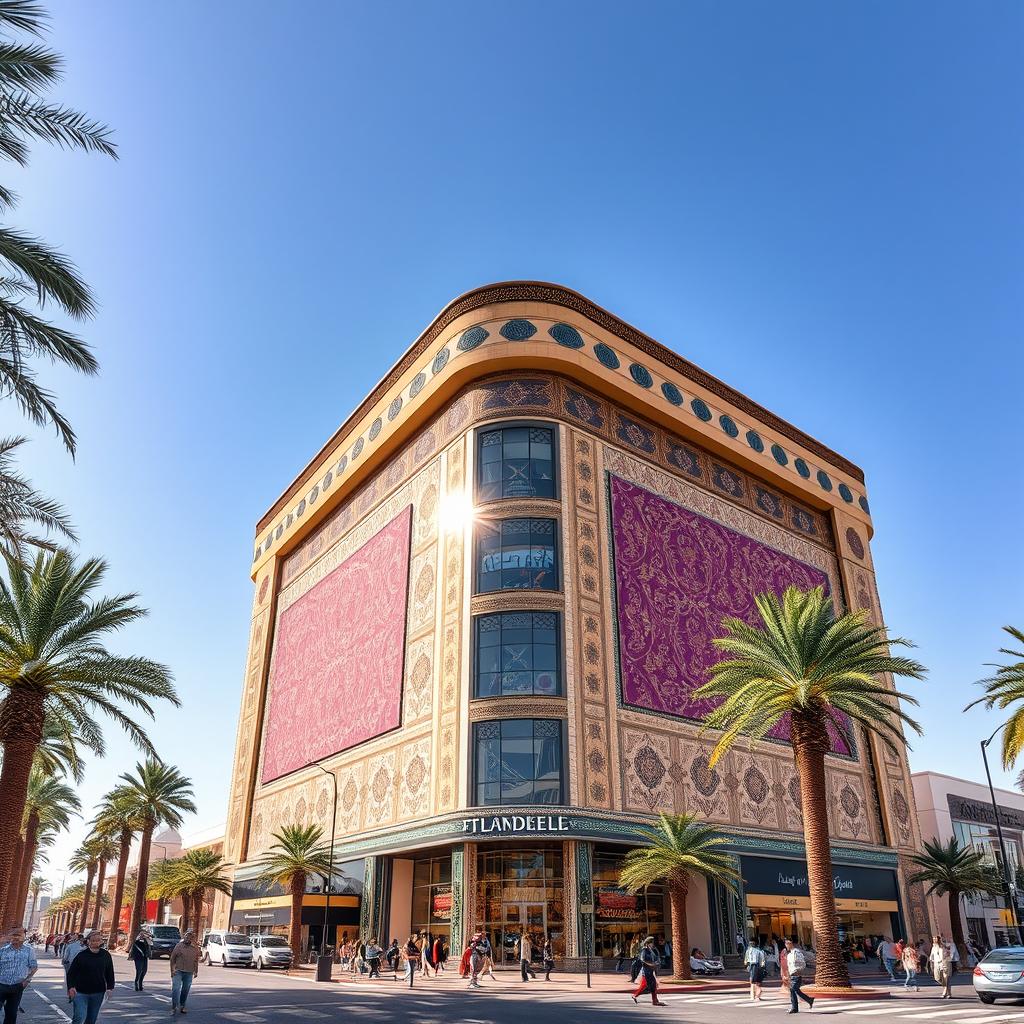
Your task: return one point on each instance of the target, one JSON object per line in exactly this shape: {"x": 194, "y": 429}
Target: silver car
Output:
{"x": 1000, "y": 973}
{"x": 271, "y": 951}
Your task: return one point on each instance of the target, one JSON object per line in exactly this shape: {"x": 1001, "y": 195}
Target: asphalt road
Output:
{"x": 225, "y": 995}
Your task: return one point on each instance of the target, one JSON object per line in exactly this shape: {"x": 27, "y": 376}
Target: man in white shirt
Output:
{"x": 797, "y": 964}
{"x": 887, "y": 954}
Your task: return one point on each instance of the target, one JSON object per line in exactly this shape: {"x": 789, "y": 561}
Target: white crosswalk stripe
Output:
{"x": 935, "y": 1014}
{"x": 991, "y": 1017}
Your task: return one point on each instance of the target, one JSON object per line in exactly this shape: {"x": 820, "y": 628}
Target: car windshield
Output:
{"x": 163, "y": 931}
{"x": 1004, "y": 956}
{"x": 235, "y": 939}
{"x": 273, "y": 940}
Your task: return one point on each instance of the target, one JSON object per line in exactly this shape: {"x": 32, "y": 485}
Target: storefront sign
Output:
{"x": 615, "y": 903}
{"x": 787, "y": 879}
{"x": 963, "y": 809}
{"x": 442, "y": 906}
{"x": 517, "y": 824}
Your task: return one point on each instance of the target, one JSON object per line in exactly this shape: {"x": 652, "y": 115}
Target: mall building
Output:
{"x": 479, "y": 615}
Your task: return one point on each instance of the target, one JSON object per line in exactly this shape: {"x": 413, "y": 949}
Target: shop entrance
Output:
{"x": 514, "y": 919}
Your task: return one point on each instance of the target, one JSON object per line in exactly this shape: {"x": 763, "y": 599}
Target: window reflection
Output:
{"x": 516, "y": 554}
{"x": 519, "y": 761}
{"x": 516, "y": 653}
{"x": 516, "y": 462}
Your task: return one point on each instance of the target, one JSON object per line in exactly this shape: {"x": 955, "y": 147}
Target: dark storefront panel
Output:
{"x": 779, "y": 877}
{"x": 269, "y": 918}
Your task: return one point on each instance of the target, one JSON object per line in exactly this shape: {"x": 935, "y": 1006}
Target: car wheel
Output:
{"x": 987, "y": 998}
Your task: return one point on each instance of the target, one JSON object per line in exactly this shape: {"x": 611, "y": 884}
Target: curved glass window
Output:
{"x": 515, "y": 462}
{"x": 518, "y": 761}
{"x": 516, "y": 554}
{"x": 517, "y": 653}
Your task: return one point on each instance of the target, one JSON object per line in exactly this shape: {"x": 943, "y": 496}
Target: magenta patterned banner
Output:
{"x": 677, "y": 574}
{"x": 336, "y": 679}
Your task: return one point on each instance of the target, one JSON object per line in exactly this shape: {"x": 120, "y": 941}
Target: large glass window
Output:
{"x": 516, "y": 554}
{"x": 516, "y": 653}
{"x": 519, "y": 761}
{"x": 516, "y": 462}
{"x": 622, "y": 920}
{"x": 432, "y": 896}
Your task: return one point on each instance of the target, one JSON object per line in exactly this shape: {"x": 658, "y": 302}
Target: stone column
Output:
{"x": 373, "y": 907}
{"x": 460, "y": 900}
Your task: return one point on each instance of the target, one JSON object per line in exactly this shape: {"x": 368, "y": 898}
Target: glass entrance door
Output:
{"x": 515, "y": 918}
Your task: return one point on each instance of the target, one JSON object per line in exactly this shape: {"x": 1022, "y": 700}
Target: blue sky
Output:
{"x": 819, "y": 203}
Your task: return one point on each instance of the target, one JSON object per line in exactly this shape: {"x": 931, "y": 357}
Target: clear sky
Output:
{"x": 819, "y": 203}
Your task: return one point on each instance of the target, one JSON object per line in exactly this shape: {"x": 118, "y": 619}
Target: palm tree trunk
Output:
{"x": 122, "y": 868}
{"x": 956, "y": 926}
{"x": 810, "y": 741}
{"x": 28, "y": 859}
{"x": 74, "y": 920}
{"x": 19, "y": 749}
{"x": 89, "y": 875}
{"x": 101, "y": 877}
{"x": 142, "y": 880}
{"x": 677, "y": 893}
{"x": 298, "y": 888}
{"x": 197, "y": 913}
{"x": 14, "y": 881}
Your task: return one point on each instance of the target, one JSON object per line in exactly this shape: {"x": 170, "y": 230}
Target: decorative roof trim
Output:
{"x": 540, "y": 291}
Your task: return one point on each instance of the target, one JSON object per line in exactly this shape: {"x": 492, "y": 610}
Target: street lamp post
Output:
{"x": 1011, "y": 895}
{"x": 325, "y": 962}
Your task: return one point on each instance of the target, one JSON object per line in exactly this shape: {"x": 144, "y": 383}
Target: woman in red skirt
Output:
{"x": 649, "y": 961}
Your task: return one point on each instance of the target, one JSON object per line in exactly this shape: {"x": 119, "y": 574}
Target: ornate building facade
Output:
{"x": 478, "y": 618}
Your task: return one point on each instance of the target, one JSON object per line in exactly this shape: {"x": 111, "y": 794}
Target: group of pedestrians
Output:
{"x": 478, "y": 958}
{"x": 793, "y": 970}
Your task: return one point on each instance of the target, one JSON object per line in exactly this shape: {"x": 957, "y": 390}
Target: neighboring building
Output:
{"x": 950, "y": 808}
{"x": 481, "y": 610}
{"x": 34, "y": 916}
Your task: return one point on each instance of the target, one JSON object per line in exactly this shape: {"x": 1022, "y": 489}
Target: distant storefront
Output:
{"x": 779, "y": 904}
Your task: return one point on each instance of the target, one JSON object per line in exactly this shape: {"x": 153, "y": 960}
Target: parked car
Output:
{"x": 165, "y": 938}
{"x": 271, "y": 951}
{"x": 1000, "y": 973}
{"x": 224, "y": 947}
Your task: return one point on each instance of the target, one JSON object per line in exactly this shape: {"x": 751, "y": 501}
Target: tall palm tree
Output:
{"x": 105, "y": 850}
{"x": 37, "y": 886}
{"x": 118, "y": 817}
{"x": 297, "y": 852}
{"x": 954, "y": 871}
{"x": 49, "y": 806}
{"x": 23, "y": 510}
{"x": 675, "y": 851}
{"x": 84, "y": 860}
{"x": 805, "y": 663}
{"x": 28, "y": 267}
{"x": 53, "y": 662}
{"x": 1006, "y": 690}
{"x": 161, "y": 794}
{"x": 199, "y": 872}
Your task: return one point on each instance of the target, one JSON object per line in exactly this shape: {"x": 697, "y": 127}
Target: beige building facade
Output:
{"x": 479, "y": 613}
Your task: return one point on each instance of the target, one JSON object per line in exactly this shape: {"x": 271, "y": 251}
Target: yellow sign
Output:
{"x": 758, "y": 901}
{"x": 266, "y": 902}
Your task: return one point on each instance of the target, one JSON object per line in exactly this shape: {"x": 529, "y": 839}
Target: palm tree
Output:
{"x": 162, "y": 884}
{"x": 297, "y": 852}
{"x": 49, "y": 806}
{"x": 675, "y": 850}
{"x": 84, "y": 860}
{"x": 30, "y": 268}
{"x": 52, "y": 662}
{"x": 37, "y": 886}
{"x": 161, "y": 794}
{"x": 955, "y": 871}
{"x": 1006, "y": 689}
{"x": 118, "y": 816}
{"x": 805, "y": 663}
{"x": 23, "y": 510}
{"x": 199, "y": 872}
{"x": 105, "y": 850}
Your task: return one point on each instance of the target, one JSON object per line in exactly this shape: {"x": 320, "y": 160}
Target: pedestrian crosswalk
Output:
{"x": 906, "y": 1008}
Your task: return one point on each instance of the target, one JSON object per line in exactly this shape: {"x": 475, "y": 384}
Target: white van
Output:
{"x": 222, "y": 946}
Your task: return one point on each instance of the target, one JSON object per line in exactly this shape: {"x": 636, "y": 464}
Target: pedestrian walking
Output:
{"x": 184, "y": 966}
{"x": 392, "y": 956}
{"x": 756, "y": 964}
{"x": 887, "y": 956}
{"x": 487, "y": 950}
{"x": 70, "y": 950}
{"x": 49, "y": 942}
{"x": 911, "y": 965}
{"x": 139, "y": 953}
{"x": 373, "y": 957}
{"x": 90, "y": 980}
{"x": 17, "y": 965}
{"x": 476, "y": 959}
{"x": 411, "y": 954}
{"x": 797, "y": 964}
{"x": 649, "y": 963}
{"x": 784, "y": 972}
{"x": 526, "y": 956}
{"x": 548, "y": 957}
{"x": 438, "y": 954}
{"x": 940, "y": 960}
